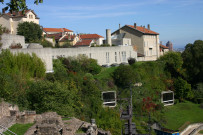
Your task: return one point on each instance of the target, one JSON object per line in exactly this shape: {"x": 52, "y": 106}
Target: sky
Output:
{"x": 178, "y": 21}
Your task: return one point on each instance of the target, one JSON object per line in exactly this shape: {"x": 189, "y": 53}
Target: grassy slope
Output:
{"x": 180, "y": 113}
{"x": 20, "y": 129}
{"x": 105, "y": 73}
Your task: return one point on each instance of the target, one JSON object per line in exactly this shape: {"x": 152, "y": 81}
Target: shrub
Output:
{"x": 131, "y": 61}
{"x": 46, "y": 43}
{"x": 30, "y": 30}
{"x": 124, "y": 76}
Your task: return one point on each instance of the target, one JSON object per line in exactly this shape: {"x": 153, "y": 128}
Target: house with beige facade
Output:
{"x": 163, "y": 49}
{"x": 11, "y": 20}
{"x": 144, "y": 40}
{"x": 97, "y": 39}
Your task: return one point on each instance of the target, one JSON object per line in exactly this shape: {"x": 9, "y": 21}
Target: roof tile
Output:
{"x": 90, "y": 36}
{"x": 144, "y": 30}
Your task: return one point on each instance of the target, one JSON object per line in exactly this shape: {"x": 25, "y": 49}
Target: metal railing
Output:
{"x": 6, "y": 131}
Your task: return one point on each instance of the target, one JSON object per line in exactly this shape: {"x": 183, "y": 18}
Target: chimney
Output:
{"x": 108, "y": 37}
{"x": 161, "y": 42}
{"x": 135, "y": 25}
{"x": 119, "y": 31}
{"x": 3, "y": 11}
{"x": 148, "y": 26}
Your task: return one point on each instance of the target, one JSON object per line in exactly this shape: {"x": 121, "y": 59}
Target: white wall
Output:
{"x": 8, "y": 39}
{"x": 98, "y": 53}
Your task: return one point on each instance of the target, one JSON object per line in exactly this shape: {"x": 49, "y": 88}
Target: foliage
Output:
{"x": 198, "y": 90}
{"x": 19, "y": 129}
{"x": 3, "y": 30}
{"x": 30, "y": 30}
{"x": 16, "y": 5}
{"x": 192, "y": 58}
{"x": 66, "y": 44}
{"x": 182, "y": 89}
{"x": 81, "y": 64}
{"x": 178, "y": 114}
{"x": 14, "y": 73}
{"x": 131, "y": 61}
{"x": 46, "y": 43}
{"x": 53, "y": 96}
{"x": 173, "y": 63}
{"x": 124, "y": 76}
{"x": 15, "y": 46}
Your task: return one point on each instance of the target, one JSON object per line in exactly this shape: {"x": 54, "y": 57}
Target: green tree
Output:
{"x": 16, "y": 5}
{"x": 46, "y": 43}
{"x": 173, "y": 63}
{"x": 182, "y": 89}
{"x": 124, "y": 76}
{"x": 53, "y": 96}
{"x": 30, "y": 30}
{"x": 192, "y": 58}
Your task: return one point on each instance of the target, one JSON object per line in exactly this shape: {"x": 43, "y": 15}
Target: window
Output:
{"x": 107, "y": 57}
{"x": 150, "y": 51}
{"x": 115, "y": 57}
{"x": 120, "y": 56}
{"x": 123, "y": 56}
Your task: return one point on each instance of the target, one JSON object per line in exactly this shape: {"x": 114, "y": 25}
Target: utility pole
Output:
{"x": 130, "y": 108}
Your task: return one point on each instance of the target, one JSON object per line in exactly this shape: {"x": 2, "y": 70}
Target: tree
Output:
{"x": 192, "y": 58}
{"x": 16, "y": 5}
{"x": 182, "y": 89}
{"x": 30, "y": 30}
{"x": 124, "y": 76}
{"x": 173, "y": 63}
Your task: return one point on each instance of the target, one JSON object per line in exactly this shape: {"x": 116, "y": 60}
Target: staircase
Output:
{"x": 5, "y": 123}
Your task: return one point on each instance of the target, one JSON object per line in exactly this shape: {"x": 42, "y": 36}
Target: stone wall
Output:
{"x": 103, "y": 55}
{"x": 9, "y": 39}
{"x": 4, "y": 109}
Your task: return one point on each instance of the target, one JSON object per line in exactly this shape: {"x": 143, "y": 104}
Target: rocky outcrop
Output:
{"x": 49, "y": 123}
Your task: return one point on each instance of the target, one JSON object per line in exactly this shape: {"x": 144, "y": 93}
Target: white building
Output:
{"x": 144, "y": 40}
{"x": 95, "y": 37}
{"x": 11, "y": 20}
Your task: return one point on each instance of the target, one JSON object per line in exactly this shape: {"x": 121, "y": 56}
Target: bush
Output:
{"x": 124, "y": 76}
{"x": 30, "y": 30}
{"x": 131, "y": 61}
{"x": 46, "y": 43}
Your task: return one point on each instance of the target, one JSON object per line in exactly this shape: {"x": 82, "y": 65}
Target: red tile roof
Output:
{"x": 57, "y": 30}
{"x": 20, "y": 13}
{"x": 83, "y": 43}
{"x": 144, "y": 30}
{"x": 67, "y": 30}
{"x": 68, "y": 37}
{"x": 57, "y": 36}
{"x": 90, "y": 36}
{"x": 163, "y": 46}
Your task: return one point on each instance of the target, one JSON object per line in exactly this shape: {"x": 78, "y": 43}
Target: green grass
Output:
{"x": 105, "y": 73}
{"x": 201, "y": 132}
{"x": 181, "y": 113}
{"x": 20, "y": 129}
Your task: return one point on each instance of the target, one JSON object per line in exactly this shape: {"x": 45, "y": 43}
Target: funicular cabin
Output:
{"x": 109, "y": 98}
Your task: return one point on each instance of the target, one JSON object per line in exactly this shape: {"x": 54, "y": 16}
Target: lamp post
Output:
{"x": 130, "y": 108}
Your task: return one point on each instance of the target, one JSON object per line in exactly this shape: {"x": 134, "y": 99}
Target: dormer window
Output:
{"x": 31, "y": 16}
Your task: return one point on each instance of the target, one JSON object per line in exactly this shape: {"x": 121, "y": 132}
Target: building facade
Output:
{"x": 11, "y": 20}
{"x": 103, "y": 55}
{"x": 145, "y": 41}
